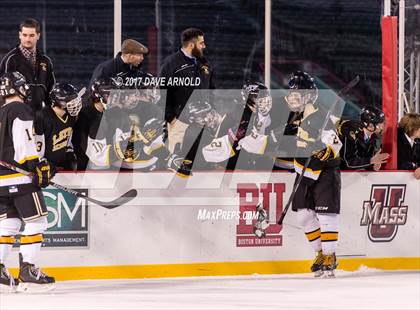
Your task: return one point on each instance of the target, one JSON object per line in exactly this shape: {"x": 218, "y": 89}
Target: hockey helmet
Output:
{"x": 197, "y": 111}
{"x": 371, "y": 115}
{"x": 303, "y": 90}
{"x": 66, "y": 97}
{"x": 101, "y": 89}
{"x": 256, "y": 94}
{"x": 13, "y": 83}
{"x": 202, "y": 113}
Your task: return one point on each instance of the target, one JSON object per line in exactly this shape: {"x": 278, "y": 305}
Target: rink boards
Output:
{"x": 204, "y": 225}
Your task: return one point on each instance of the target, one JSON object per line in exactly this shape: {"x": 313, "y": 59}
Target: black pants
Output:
{"x": 322, "y": 196}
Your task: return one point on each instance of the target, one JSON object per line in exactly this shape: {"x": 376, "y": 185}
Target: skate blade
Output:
{"x": 4, "y": 289}
{"x": 31, "y": 288}
{"x": 318, "y": 274}
{"x": 328, "y": 274}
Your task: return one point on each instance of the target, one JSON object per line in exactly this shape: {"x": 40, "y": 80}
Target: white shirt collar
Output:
{"x": 411, "y": 141}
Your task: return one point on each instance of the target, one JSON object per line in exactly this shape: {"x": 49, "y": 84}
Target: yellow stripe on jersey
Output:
{"x": 28, "y": 158}
{"x": 327, "y": 154}
{"x": 282, "y": 160}
{"x": 108, "y": 155}
{"x": 313, "y": 235}
{"x": 329, "y": 236}
{"x": 232, "y": 151}
{"x": 335, "y": 154}
{"x": 31, "y": 239}
{"x": 8, "y": 176}
{"x": 307, "y": 169}
{"x": 7, "y": 239}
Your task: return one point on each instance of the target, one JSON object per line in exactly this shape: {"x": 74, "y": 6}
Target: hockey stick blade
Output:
{"x": 123, "y": 199}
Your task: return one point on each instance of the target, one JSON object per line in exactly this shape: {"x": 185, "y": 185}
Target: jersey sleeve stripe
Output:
{"x": 28, "y": 158}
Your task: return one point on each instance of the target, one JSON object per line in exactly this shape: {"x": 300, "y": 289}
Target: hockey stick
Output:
{"x": 123, "y": 199}
{"x": 342, "y": 92}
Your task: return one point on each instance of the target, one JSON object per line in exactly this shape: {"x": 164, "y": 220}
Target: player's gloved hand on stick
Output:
{"x": 43, "y": 173}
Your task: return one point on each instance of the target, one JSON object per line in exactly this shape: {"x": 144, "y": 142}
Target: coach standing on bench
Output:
{"x": 36, "y": 67}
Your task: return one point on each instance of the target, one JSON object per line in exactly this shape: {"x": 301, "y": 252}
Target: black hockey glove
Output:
{"x": 291, "y": 129}
{"x": 43, "y": 173}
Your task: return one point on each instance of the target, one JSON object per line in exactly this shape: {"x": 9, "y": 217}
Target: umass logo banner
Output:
{"x": 384, "y": 212}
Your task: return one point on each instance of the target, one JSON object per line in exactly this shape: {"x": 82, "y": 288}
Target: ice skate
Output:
{"x": 317, "y": 265}
{"x": 329, "y": 265}
{"x": 7, "y": 282}
{"x": 33, "y": 280}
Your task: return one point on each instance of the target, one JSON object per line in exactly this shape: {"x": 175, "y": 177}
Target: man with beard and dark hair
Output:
{"x": 183, "y": 72}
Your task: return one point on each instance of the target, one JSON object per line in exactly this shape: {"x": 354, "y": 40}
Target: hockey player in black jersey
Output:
{"x": 362, "y": 141}
{"x": 317, "y": 199}
{"x": 54, "y": 126}
{"x": 21, "y": 199}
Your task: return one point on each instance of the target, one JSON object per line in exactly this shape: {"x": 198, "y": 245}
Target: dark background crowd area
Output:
{"x": 334, "y": 40}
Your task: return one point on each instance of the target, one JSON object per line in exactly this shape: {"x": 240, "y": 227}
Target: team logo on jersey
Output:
{"x": 270, "y": 196}
{"x": 384, "y": 212}
{"x": 205, "y": 69}
{"x": 43, "y": 66}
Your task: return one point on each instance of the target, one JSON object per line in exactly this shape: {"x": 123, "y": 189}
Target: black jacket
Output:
{"x": 40, "y": 79}
{"x": 115, "y": 68}
{"x": 180, "y": 66}
{"x": 356, "y": 152}
{"x": 408, "y": 156}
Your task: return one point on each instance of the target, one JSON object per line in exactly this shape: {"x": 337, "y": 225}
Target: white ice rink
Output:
{"x": 360, "y": 290}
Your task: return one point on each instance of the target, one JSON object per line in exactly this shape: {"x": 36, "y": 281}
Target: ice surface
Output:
{"x": 359, "y": 290}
